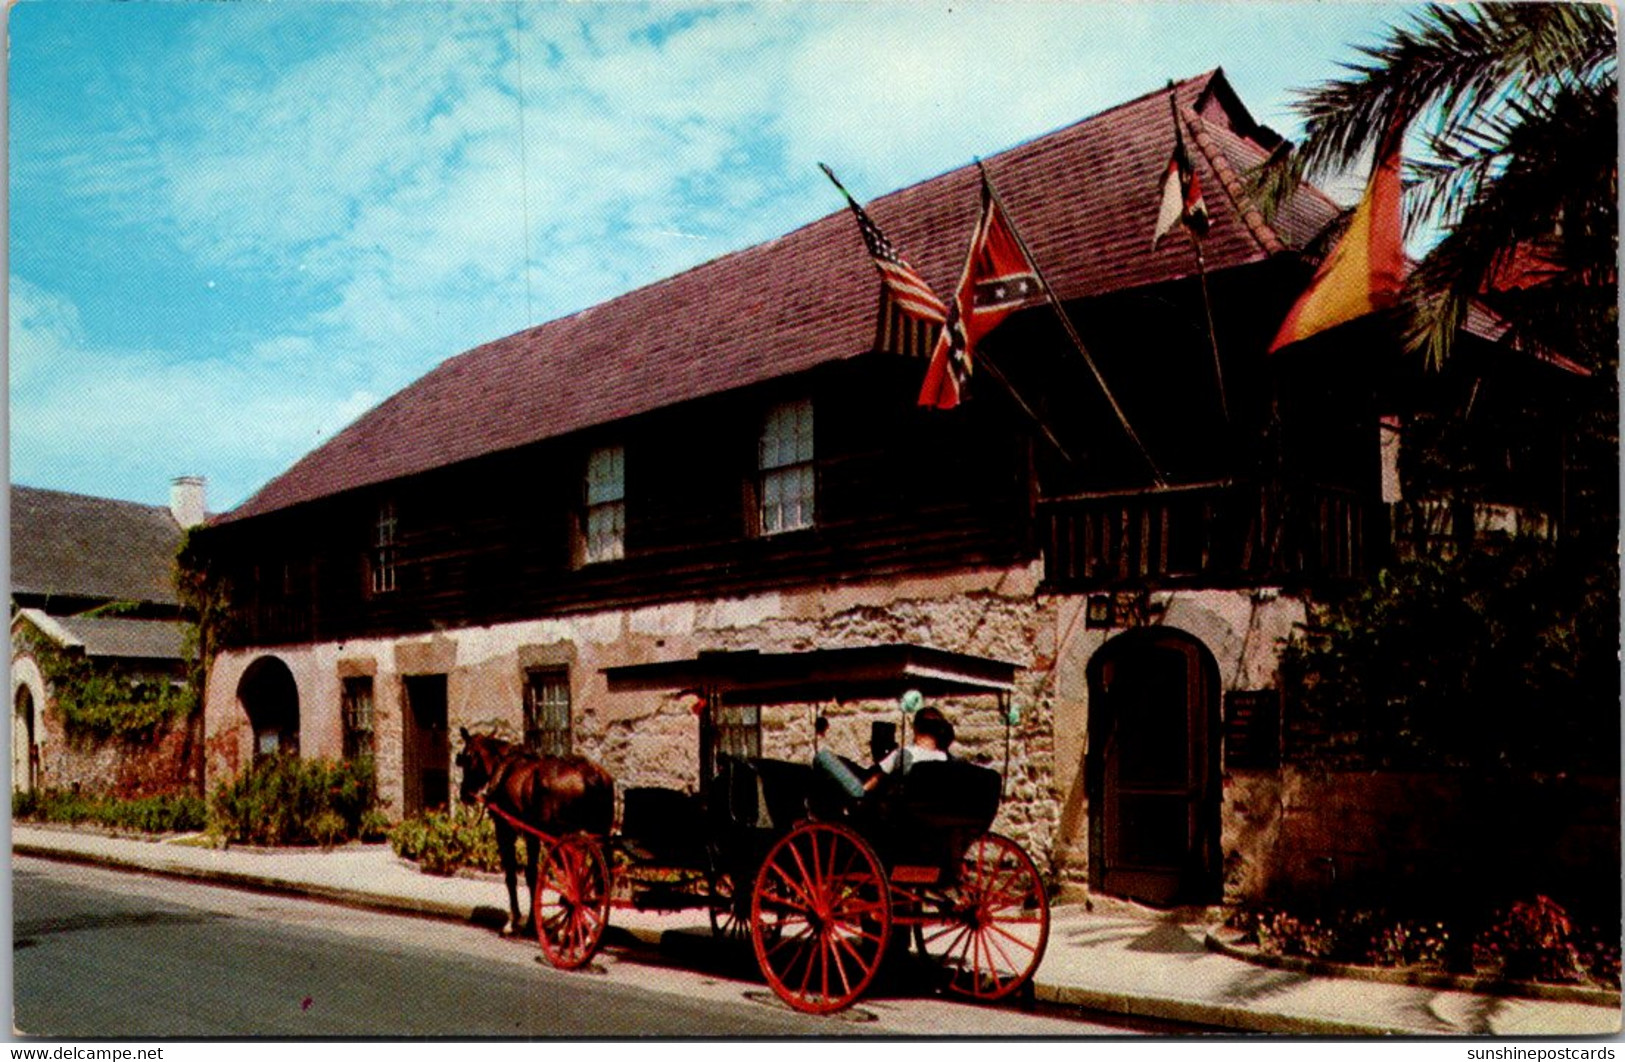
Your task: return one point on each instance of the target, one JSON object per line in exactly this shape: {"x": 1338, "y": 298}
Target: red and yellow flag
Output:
{"x": 1365, "y": 270}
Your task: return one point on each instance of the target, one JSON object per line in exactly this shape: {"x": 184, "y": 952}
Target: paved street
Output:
{"x": 101, "y": 953}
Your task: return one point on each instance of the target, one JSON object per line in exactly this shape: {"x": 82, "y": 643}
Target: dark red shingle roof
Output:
{"x": 1085, "y": 198}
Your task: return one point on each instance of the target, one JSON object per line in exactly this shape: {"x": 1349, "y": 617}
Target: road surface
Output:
{"x": 105, "y": 954}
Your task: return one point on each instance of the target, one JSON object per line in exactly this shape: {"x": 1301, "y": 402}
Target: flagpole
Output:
{"x": 1212, "y": 336}
{"x": 884, "y": 322}
{"x": 1201, "y": 264}
{"x": 994, "y": 372}
{"x": 1072, "y": 332}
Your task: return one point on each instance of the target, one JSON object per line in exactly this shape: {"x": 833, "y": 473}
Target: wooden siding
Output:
{"x": 899, "y": 490}
{"x": 1277, "y": 486}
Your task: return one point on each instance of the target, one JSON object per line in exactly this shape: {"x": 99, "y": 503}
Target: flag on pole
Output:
{"x": 909, "y": 291}
{"x": 1182, "y": 200}
{"x": 1365, "y": 270}
{"x": 998, "y": 280}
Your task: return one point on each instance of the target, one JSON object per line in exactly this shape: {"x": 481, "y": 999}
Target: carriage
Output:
{"x": 825, "y": 887}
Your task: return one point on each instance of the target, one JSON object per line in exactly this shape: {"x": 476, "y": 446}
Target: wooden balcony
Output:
{"x": 1209, "y": 534}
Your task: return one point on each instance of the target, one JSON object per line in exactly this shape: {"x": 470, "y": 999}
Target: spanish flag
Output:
{"x": 1364, "y": 271}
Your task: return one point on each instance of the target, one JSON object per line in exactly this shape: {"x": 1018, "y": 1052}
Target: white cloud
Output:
{"x": 123, "y": 422}
{"x": 375, "y": 169}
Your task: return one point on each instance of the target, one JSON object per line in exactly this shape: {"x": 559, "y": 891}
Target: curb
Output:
{"x": 1194, "y": 1012}
{"x": 1485, "y": 986}
{"x": 1219, "y": 1016}
{"x": 243, "y": 880}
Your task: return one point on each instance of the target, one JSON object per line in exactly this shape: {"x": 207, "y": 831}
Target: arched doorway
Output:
{"x": 24, "y": 747}
{"x": 1152, "y": 769}
{"x": 270, "y": 697}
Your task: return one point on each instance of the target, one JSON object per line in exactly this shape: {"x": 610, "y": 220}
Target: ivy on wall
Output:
{"x": 205, "y": 594}
{"x": 99, "y": 704}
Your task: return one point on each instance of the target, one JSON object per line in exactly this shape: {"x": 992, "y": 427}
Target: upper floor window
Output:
{"x": 547, "y": 711}
{"x": 384, "y": 557}
{"x": 785, "y": 461}
{"x": 606, "y": 504}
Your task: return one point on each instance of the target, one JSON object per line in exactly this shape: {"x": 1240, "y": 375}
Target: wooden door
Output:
{"x": 1154, "y": 799}
{"x": 426, "y": 741}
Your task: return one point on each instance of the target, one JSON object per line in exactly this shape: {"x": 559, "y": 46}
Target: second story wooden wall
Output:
{"x": 897, "y": 490}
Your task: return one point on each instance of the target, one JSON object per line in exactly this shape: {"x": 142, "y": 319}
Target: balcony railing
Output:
{"x": 1210, "y": 534}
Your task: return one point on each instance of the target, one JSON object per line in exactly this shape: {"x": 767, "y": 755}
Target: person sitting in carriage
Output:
{"x": 933, "y": 736}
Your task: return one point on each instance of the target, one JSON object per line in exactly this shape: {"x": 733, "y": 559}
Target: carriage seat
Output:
{"x": 948, "y": 794}
{"x": 934, "y": 813}
{"x": 664, "y": 824}
{"x": 759, "y": 793}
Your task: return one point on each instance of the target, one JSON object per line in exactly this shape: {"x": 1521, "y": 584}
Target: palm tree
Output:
{"x": 1515, "y": 105}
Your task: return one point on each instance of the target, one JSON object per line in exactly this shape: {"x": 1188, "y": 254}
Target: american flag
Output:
{"x": 909, "y": 291}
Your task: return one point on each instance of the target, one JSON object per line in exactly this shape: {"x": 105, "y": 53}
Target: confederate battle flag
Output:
{"x": 998, "y": 280}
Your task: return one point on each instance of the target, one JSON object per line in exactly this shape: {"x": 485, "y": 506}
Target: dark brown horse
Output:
{"x": 555, "y": 794}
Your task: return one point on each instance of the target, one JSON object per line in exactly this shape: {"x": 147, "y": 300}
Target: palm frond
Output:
{"x": 1455, "y": 61}
{"x": 1554, "y": 191}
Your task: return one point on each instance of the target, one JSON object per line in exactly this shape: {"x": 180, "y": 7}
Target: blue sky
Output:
{"x": 236, "y": 227}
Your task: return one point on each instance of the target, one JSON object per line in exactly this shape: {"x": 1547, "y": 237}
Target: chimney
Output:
{"x": 186, "y": 500}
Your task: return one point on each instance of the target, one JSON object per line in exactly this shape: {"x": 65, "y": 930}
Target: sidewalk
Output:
{"x": 1116, "y": 963}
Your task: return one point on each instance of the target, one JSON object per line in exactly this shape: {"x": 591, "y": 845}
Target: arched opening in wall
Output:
{"x": 24, "y": 746}
{"x": 270, "y": 697}
{"x": 1152, "y": 769}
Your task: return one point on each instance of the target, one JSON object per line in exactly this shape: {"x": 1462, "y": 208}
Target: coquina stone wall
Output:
{"x": 1430, "y": 839}
{"x": 153, "y": 764}
{"x": 653, "y": 739}
{"x": 1284, "y": 833}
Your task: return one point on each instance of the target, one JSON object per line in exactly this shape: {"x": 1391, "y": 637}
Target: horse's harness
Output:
{"x": 512, "y": 820}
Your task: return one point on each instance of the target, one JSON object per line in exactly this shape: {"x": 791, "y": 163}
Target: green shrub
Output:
{"x": 105, "y": 706}
{"x": 442, "y": 842}
{"x": 374, "y": 825}
{"x": 167, "y": 813}
{"x": 283, "y": 800}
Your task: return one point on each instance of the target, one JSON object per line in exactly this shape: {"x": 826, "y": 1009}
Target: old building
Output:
{"x": 93, "y": 597}
{"x": 733, "y": 459}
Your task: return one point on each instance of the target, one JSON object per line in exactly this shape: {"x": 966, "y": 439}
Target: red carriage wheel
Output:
{"x": 994, "y": 924}
{"x": 571, "y": 901}
{"x": 820, "y": 915}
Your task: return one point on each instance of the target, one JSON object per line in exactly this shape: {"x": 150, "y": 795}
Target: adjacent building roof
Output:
{"x": 1085, "y": 198}
{"x": 111, "y": 636}
{"x": 73, "y": 545}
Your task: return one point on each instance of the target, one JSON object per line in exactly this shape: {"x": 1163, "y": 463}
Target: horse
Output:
{"x": 554, "y": 794}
